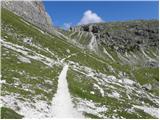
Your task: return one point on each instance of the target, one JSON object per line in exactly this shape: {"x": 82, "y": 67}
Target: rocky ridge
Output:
{"x": 124, "y": 36}
{"x": 33, "y": 12}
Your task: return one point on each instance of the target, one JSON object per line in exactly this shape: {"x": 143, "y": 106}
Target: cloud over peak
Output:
{"x": 90, "y": 17}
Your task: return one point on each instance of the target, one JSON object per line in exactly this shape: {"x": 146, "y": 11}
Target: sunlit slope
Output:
{"x": 101, "y": 88}
{"x": 131, "y": 42}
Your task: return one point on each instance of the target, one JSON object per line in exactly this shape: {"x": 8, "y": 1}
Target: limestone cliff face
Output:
{"x": 123, "y": 39}
{"x": 124, "y": 36}
{"x": 32, "y": 11}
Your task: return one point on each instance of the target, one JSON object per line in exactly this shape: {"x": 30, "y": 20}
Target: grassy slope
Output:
{"x": 14, "y": 30}
{"x": 10, "y": 67}
{"x": 35, "y": 73}
{"x": 81, "y": 86}
{"x": 7, "y": 113}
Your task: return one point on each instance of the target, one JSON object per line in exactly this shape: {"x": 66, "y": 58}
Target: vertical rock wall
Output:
{"x": 32, "y": 11}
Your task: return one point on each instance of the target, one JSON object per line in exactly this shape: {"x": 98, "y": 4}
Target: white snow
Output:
{"x": 150, "y": 110}
{"x": 62, "y": 102}
{"x": 24, "y": 59}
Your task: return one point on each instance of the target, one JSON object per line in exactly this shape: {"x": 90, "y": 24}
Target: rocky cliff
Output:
{"x": 31, "y": 11}
{"x": 123, "y": 39}
{"x": 124, "y": 36}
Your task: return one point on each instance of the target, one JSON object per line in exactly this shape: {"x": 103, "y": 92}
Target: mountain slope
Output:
{"x": 32, "y": 60}
{"x": 122, "y": 40}
{"x": 32, "y": 11}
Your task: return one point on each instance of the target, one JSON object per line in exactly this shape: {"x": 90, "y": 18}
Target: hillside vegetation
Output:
{"x": 102, "y": 84}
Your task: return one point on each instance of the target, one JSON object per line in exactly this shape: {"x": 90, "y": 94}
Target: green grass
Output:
{"x": 80, "y": 86}
{"x": 147, "y": 75}
{"x": 36, "y": 69}
{"x": 56, "y": 45}
{"x": 7, "y": 113}
{"x": 36, "y": 73}
{"x": 84, "y": 40}
{"x": 88, "y": 115}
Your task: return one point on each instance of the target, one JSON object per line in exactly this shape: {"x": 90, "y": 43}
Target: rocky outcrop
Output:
{"x": 124, "y": 36}
{"x": 32, "y": 11}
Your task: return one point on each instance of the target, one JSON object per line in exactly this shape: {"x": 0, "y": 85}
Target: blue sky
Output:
{"x": 64, "y": 14}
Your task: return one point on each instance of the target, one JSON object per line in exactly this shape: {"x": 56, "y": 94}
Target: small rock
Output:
{"x": 27, "y": 40}
{"x": 92, "y": 92}
{"x": 2, "y": 81}
{"x": 147, "y": 86}
{"x": 68, "y": 51}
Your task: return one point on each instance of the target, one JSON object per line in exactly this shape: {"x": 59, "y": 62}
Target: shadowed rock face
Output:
{"x": 124, "y": 36}
{"x": 32, "y": 11}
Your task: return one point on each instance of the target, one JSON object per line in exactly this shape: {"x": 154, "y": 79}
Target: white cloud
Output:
{"x": 90, "y": 17}
{"x": 67, "y": 25}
